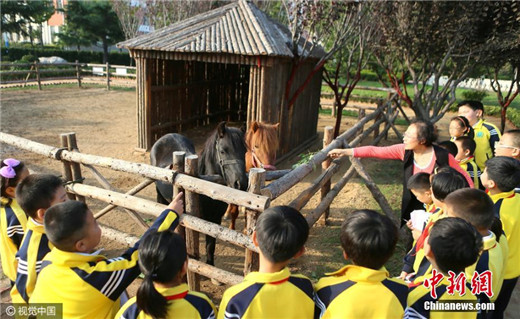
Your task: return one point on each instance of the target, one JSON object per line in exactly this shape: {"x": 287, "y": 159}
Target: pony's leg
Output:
{"x": 160, "y": 198}
{"x": 234, "y": 214}
{"x": 210, "y": 250}
{"x": 227, "y": 214}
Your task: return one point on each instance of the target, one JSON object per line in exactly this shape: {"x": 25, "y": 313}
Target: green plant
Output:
{"x": 28, "y": 58}
{"x": 476, "y": 95}
{"x": 304, "y": 159}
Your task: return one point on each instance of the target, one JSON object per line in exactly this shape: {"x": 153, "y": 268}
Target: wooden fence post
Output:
{"x": 361, "y": 115}
{"x": 256, "y": 182}
{"x": 38, "y": 75}
{"x": 76, "y": 167}
{"x": 66, "y": 170}
{"x": 328, "y": 134}
{"x": 178, "y": 166}
{"x": 78, "y": 73}
{"x": 192, "y": 208}
{"x": 379, "y": 105}
{"x": 108, "y": 76}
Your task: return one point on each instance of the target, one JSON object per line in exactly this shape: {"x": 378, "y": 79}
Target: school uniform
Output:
{"x": 486, "y": 135}
{"x": 182, "y": 303}
{"x": 419, "y": 295}
{"x": 13, "y": 221}
{"x": 493, "y": 259}
{"x": 360, "y": 292}
{"x": 35, "y": 246}
{"x": 469, "y": 165}
{"x": 269, "y": 295}
{"x": 507, "y": 209}
{"x": 90, "y": 285}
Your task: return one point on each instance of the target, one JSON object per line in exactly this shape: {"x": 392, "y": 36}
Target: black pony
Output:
{"x": 223, "y": 154}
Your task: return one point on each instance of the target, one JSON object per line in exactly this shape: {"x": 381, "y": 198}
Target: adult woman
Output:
{"x": 418, "y": 154}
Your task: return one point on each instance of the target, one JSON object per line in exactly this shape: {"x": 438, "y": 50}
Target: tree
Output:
{"x": 428, "y": 42}
{"x": 14, "y": 17}
{"x": 95, "y": 21}
{"x": 351, "y": 58}
{"x": 39, "y": 12}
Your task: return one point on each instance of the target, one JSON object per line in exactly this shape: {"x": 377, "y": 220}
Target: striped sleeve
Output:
{"x": 494, "y": 136}
{"x": 14, "y": 228}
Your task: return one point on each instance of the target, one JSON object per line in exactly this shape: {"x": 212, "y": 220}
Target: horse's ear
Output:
{"x": 221, "y": 129}
{"x": 254, "y": 126}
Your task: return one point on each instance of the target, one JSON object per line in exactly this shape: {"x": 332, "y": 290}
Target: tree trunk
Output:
{"x": 41, "y": 35}
{"x": 105, "y": 50}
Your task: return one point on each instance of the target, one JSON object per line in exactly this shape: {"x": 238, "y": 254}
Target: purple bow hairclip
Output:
{"x": 8, "y": 171}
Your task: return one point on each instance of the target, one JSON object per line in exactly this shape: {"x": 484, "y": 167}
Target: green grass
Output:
{"x": 490, "y": 99}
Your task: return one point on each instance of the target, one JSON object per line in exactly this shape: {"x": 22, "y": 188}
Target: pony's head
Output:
{"x": 262, "y": 143}
{"x": 224, "y": 154}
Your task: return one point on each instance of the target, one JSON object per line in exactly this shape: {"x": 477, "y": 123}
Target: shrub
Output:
{"x": 475, "y": 95}
{"x": 28, "y": 58}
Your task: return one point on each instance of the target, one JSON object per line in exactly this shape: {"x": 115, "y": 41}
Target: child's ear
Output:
{"x": 516, "y": 153}
{"x": 300, "y": 252}
{"x": 10, "y": 191}
{"x": 80, "y": 246}
{"x": 40, "y": 213}
{"x": 490, "y": 184}
{"x": 253, "y": 237}
{"x": 480, "y": 113}
{"x": 345, "y": 256}
{"x": 466, "y": 152}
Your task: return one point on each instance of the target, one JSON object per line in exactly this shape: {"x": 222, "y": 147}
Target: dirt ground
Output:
{"x": 105, "y": 124}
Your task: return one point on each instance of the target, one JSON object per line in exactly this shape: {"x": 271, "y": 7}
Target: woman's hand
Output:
{"x": 339, "y": 152}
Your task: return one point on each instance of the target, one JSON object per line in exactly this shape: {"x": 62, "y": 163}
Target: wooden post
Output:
{"x": 66, "y": 170}
{"x": 38, "y": 75}
{"x": 76, "y": 168}
{"x": 108, "y": 76}
{"x": 192, "y": 208}
{"x": 361, "y": 115}
{"x": 328, "y": 134}
{"x": 256, "y": 182}
{"x": 178, "y": 166}
{"x": 78, "y": 73}
{"x": 376, "y": 130}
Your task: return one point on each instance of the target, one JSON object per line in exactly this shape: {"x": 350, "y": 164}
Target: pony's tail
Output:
{"x": 150, "y": 300}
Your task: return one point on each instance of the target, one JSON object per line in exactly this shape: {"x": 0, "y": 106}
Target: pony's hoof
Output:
{"x": 226, "y": 217}
{"x": 216, "y": 282}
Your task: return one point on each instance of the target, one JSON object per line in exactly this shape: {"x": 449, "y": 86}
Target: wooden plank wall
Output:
{"x": 179, "y": 95}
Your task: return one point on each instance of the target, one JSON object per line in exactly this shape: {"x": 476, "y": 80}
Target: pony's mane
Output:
{"x": 267, "y": 138}
{"x": 209, "y": 151}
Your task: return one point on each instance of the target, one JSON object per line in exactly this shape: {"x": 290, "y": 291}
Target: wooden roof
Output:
{"x": 238, "y": 28}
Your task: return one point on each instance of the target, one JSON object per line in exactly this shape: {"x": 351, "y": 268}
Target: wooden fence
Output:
{"x": 255, "y": 201}
{"x": 36, "y": 72}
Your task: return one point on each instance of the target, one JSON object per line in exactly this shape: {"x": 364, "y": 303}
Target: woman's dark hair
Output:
{"x": 161, "y": 257}
{"x": 425, "y": 132}
{"x": 464, "y": 123}
{"x": 13, "y": 181}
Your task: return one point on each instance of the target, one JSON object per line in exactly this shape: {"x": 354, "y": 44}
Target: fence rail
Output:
{"x": 103, "y": 72}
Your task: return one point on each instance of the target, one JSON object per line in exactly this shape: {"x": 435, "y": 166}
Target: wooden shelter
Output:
{"x": 231, "y": 63}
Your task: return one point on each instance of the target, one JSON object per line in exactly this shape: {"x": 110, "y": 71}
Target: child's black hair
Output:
{"x": 65, "y": 224}
{"x": 515, "y": 137}
{"x": 504, "y": 171}
{"x": 455, "y": 244}
{"x": 368, "y": 238}
{"x": 467, "y": 143}
{"x": 450, "y": 147}
{"x": 10, "y": 182}
{"x": 37, "y": 191}
{"x": 161, "y": 257}
{"x": 472, "y": 205}
{"x": 281, "y": 232}
{"x": 445, "y": 181}
{"x": 474, "y": 105}
{"x": 464, "y": 123}
{"x": 426, "y": 132}
{"x": 419, "y": 181}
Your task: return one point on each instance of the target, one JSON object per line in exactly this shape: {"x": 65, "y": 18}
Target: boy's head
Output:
{"x": 281, "y": 233}
{"x": 450, "y": 147}
{"x": 453, "y": 244}
{"x": 368, "y": 238}
{"x": 501, "y": 174}
{"x": 472, "y": 205}
{"x": 445, "y": 181}
{"x": 472, "y": 110}
{"x": 37, "y": 192}
{"x": 465, "y": 147}
{"x": 70, "y": 226}
{"x": 509, "y": 145}
{"x": 419, "y": 185}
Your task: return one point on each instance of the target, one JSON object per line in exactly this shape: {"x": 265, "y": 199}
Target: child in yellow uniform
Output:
{"x": 509, "y": 145}
{"x": 162, "y": 294}
{"x": 500, "y": 177}
{"x": 87, "y": 284}
{"x": 273, "y": 292}
{"x": 486, "y": 134}
{"x": 36, "y": 194}
{"x": 452, "y": 245}
{"x": 363, "y": 289}
{"x": 465, "y": 150}
{"x": 12, "y": 217}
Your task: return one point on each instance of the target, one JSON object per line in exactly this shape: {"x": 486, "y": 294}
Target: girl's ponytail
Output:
{"x": 161, "y": 257}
